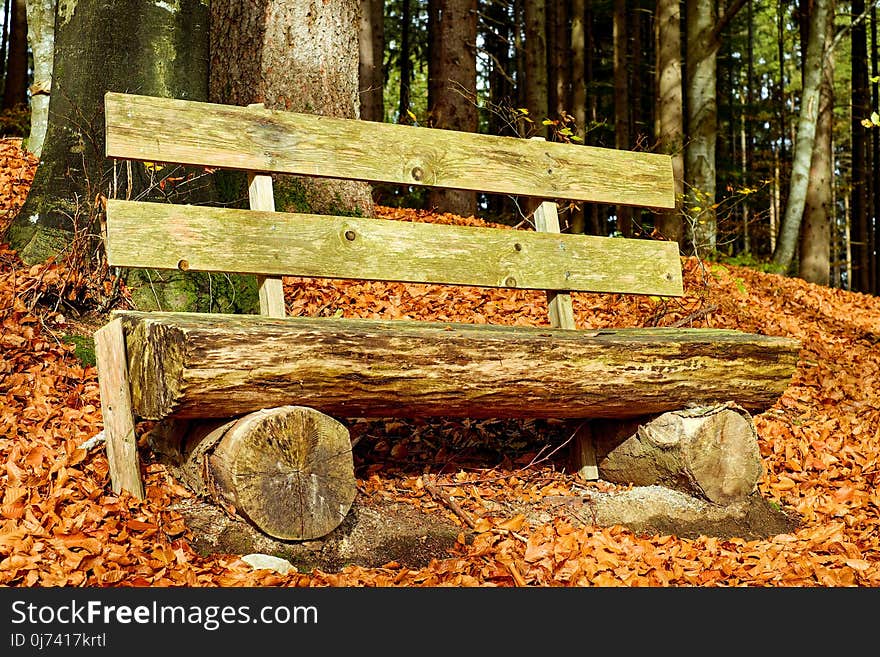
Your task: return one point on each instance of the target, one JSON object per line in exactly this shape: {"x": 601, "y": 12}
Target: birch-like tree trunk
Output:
{"x": 815, "y": 245}
{"x": 41, "y": 37}
{"x": 806, "y": 134}
{"x": 702, "y": 126}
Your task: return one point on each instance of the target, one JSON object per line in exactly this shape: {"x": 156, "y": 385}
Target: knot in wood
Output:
{"x": 417, "y": 173}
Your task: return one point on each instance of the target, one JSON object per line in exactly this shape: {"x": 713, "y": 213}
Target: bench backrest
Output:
{"x": 200, "y": 238}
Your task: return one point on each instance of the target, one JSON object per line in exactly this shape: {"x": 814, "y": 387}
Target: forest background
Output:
{"x": 775, "y": 147}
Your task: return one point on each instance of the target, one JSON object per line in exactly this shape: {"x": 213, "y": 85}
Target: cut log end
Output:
{"x": 289, "y": 470}
{"x": 709, "y": 452}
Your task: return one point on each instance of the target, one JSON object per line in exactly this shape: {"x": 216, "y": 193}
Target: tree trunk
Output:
{"x": 497, "y": 33}
{"x": 291, "y": 57}
{"x": 371, "y": 44}
{"x": 670, "y": 109}
{"x": 455, "y": 105}
{"x": 15, "y": 89}
{"x": 192, "y": 366}
{"x": 874, "y": 229}
{"x": 621, "y": 103}
{"x": 536, "y": 92}
{"x": 143, "y": 45}
{"x": 702, "y": 128}
{"x": 41, "y": 36}
{"x": 579, "y": 92}
{"x": 711, "y": 453}
{"x": 288, "y": 470}
{"x": 806, "y": 133}
{"x": 815, "y": 246}
{"x": 558, "y": 60}
{"x": 404, "y": 65}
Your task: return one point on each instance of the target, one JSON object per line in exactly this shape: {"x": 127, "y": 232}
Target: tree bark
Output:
{"x": 536, "y": 92}
{"x": 814, "y": 262}
{"x": 806, "y": 133}
{"x": 290, "y": 56}
{"x": 621, "y": 103}
{"x": 455, "y": 102}
{"x": 578, "y": 93}
{"x": 196, "y": 365}
{"x": 404, "y": 64}
{"x": 371, "y": 44}
{"x": 41, "y": 36}
{"x": 702, "y": 128}
{"x": 711, "y": 453}
{"x": 670, "y": 109}
{"x": 288, "y": 470}
{"x": 153, "y": 47}
{"x": 15, "y": 89}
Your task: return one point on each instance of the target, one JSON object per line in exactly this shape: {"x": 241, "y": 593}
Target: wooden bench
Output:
{"x": 253, "y": 403}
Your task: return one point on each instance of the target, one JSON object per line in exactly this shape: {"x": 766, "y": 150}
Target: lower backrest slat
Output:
{"x": 201, "y": 238}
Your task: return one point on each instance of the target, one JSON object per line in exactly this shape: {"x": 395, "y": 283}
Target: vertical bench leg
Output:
{"x": 561, "y": 314}
{"x": 119, "y": 433}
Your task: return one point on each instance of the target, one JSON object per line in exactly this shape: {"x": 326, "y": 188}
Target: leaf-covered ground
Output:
{"x": 60, "y": 524}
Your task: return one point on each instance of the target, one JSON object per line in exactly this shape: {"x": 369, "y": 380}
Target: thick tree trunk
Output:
{"x": 711, "y": 453}
{"x": 455, "y": 102}
{"x": 148, "y": 46}
{"x": 288, "y": 470}
{"x": 670, "y": 109}
{"x": 196, "y": 365}
{"x": 371, "y": 43}
{"x": 815, "y": 241}
{"x": 41, "y": 36}
{"x": 806, "y": 133}
{"x": 15, "y": 89}
{"x": 290, "y": 56}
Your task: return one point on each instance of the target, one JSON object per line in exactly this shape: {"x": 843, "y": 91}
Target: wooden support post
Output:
{"x": 561, "y": 311}
{"x": 583, "y": 451}
{"x": 116, "y": 408}
{"x": 262, "y": 197}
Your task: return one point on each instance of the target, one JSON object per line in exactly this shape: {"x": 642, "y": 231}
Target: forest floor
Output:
{"x": 61, "y": 525}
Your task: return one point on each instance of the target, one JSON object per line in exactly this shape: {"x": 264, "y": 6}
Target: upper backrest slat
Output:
{"x": 201, "y": 238}
{"x": 204, "y": 134}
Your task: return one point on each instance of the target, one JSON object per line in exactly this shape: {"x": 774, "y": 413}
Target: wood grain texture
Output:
{"x": 167, "y": 236}
{"x": 203, "y": 365}
{"x": 187, "y": 132}
{"x": 559, "y": 307}
{"x": 116, "y": 409}
{"x": 289, "y": 470}
{"x": 711, "y": 452}
{"x": 261, "y": 197}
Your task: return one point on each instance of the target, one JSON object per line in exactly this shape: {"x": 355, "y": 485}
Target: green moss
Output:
{"x": 194, "y": 292}
{"x": 84, "y": 347}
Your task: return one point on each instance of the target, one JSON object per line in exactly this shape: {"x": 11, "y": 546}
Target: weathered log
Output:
{"x": 202, "y": 365}
{"x": 288, "y": 470}
{"x": 711, "y": 452}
